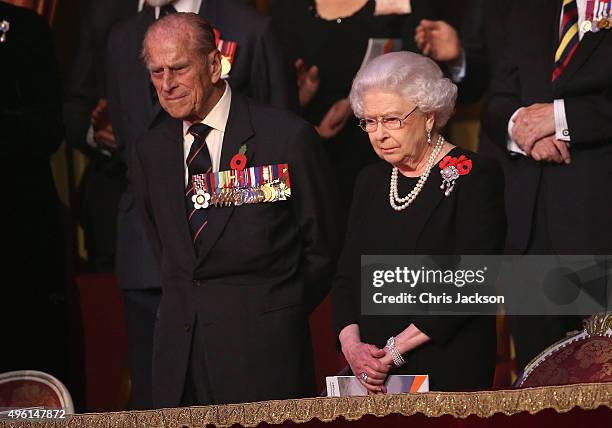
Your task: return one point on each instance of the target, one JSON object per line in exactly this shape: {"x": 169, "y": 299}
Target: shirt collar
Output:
{"x": 217, "y": 117}
{"x": 192, "y": 6}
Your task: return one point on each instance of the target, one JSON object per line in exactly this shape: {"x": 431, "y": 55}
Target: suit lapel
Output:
{"x": 585, "y": 48}
{"x": 237, "y": 131}
{"x": 589, "y": 42}
{"x": 171, "y": 138}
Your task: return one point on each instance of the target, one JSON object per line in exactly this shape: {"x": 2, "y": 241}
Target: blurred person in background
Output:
{"x": 327, "y": 42}
{"x": 89, "y": 130}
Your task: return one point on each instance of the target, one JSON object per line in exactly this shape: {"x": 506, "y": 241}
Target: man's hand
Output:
{"x": 307, "y": 81}
{"x": 532, "y": 124}
{"x": 550, "y": 149}
{"x": 335, "y": 119}
{"x": 103, "y": 129}
{"x": 438, "y": 40}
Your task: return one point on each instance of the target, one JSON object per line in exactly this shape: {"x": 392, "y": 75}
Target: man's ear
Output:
{"x": 214, "y": 65}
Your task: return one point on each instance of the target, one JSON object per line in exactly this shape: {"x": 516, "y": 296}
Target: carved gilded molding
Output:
{"x": 598, "y": 325}
{"x": 432, "y": 404}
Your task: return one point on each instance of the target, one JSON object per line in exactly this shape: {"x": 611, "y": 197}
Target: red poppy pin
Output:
{"x": 451, "y": 169}
{"x": 239, "y": 160}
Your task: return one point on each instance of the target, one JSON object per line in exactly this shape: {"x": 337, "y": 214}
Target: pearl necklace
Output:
{"x": 399, "y": 204}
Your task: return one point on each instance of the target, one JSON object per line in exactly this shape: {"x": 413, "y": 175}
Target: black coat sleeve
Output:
{"x": 85, "y": 85}
{"x": 113, "y": 75}
{"x": 137, "y": 176}
{"x": 505, "y": 92}
{"x": 346, "y": 292}
{"x": 315, "y": 210}
{"x": 273, "y": 79}
{"x": 589, "y": 116}
{"x": 474, "y": 44}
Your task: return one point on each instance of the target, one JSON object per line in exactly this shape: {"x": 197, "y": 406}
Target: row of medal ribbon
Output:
{"x": 257, "y": 184}
{"x": 598, "y": 16}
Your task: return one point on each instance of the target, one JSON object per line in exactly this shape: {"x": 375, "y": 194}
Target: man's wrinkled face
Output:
{"x": 182, "y": 78}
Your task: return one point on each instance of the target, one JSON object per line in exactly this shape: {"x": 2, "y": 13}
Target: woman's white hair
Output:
{"x": 416, "y": 78}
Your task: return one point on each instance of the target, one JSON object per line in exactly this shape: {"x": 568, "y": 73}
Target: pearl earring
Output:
{"x": 429, "y": 136}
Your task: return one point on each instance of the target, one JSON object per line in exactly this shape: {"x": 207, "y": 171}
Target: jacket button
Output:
{"x": 187, "y": 328}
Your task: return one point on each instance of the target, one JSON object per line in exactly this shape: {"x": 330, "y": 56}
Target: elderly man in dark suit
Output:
{"x": 551, "y": 110}
{"x": 238, "y": 281}
{"x": 257, "y": 70}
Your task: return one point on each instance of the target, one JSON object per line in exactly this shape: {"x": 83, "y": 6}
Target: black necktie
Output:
{"x": 198, "y": 162}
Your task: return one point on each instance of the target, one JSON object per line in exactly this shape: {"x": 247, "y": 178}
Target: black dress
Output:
{"x": 471, "y": 220}
{"x": 337, "y": 48}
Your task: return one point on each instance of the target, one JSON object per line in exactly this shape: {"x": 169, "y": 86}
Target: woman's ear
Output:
{"x": 430, "y": 121}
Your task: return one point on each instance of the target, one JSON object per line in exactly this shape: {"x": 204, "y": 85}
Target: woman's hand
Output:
{"x": 367, "y": 358}
{"x": 387, "y": 361}
{"x": 364, "y": 358}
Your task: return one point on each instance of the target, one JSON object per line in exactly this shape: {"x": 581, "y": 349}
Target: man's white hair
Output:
{"x": 415, "y": 77}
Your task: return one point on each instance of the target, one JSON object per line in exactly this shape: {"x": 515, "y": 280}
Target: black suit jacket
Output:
{"x": 576, "y": 199}
{"x": 259, "y": 71}
{"x": 260, "y": 269}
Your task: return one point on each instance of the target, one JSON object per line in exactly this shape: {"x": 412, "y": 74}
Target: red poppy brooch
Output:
{"x": 451, "y": 169}
{"x": 239, "y": 159}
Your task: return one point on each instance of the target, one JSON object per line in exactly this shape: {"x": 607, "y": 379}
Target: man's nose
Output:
{"x": 168, "y": 81}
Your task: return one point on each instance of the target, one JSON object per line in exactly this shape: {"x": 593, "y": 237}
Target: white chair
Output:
{"x": 31, "y": 388}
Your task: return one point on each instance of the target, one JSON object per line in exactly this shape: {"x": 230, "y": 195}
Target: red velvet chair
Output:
{"x": 583, "y": 357}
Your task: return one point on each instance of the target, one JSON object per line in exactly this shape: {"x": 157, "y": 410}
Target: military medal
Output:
{"x": 586, "y": 26}
{"x": 5, "y": 26}
{"x": 597, "y": 16}
{"x": 200, "y": 200}
{"x": 228, "y": 51}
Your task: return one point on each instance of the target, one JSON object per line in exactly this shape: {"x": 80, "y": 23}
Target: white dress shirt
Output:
{"x": 562, "y": 131}
{"x": 192, "y": 6}
{"x": 217, "y": 120}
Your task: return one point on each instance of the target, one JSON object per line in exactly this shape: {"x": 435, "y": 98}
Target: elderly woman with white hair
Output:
{"x": 425, "y": 197}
